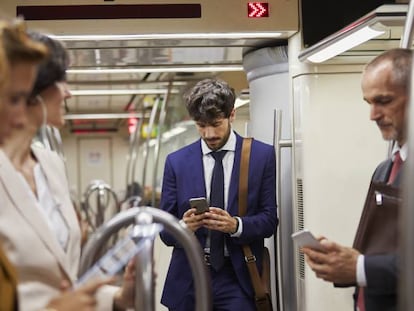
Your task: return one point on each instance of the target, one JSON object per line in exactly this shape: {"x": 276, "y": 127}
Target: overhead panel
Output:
{"x": 157, "y": 16}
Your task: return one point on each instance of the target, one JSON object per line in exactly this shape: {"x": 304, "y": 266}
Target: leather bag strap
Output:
{"x": 243, "y": 183}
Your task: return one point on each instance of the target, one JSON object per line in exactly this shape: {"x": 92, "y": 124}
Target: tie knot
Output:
{"x": 218, "y": 155}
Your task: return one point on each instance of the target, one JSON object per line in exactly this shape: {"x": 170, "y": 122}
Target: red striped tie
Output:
{"x": 395, "y": 167}
{"x": 361, "y": 300}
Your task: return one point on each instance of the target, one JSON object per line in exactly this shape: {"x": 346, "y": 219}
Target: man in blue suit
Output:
{"x": 188, "y": 174}
{"x": 385, "y": 86}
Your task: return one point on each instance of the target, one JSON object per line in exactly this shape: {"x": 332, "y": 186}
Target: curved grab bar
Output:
{"x": 101, "y": 187}
{"x": 179, "y": 231}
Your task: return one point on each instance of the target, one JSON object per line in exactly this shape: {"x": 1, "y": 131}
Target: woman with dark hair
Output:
{"x": 50, "y": 89}
{"x": 37, "y": 212}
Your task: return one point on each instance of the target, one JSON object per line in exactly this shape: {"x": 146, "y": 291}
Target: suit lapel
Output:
{"x": 195, "y": 172}
{"x": 232, "y": 207}
{"x": 59, "y": 192}
{"x": 195, "y": 162}
{"x": 24, "y": 204}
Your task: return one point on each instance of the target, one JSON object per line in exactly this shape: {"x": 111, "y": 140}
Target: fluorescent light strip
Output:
{"x": 342, "y": 45}
{"x": 241, "y": 102}
{"x": 160, "y": 36}
{"x": 120, "y": 92}
{"x": 102, "y": 116}
{"x": 165, "y": 69}
{"x": 168, "y": 135}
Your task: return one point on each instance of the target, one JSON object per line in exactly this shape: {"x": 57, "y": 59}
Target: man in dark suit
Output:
{"x": 385, "y": 83}
{"x": 188, "y": 174}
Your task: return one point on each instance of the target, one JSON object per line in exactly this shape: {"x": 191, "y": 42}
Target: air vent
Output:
{"x": 299, "y": 191}
{"x": 300, "y": 222}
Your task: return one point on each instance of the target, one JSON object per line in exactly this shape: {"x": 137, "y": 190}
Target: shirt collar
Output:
{"x": 230, "y": 145}
{"x": 403, "y": 151}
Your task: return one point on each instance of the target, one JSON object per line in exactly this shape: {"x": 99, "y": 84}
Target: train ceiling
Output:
{"x": 114, "y": 78}
{"x": 164, "y": 39}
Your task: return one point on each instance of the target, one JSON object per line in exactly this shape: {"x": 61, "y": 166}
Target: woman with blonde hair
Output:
{"x": 19, "y": 59}
{"x": 37, "y": 208}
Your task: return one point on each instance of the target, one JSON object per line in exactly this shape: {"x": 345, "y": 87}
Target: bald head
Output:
{"x": 400, "y": 61}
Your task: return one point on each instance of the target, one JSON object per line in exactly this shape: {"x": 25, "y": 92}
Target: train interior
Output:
{"x": 127, "y": 78}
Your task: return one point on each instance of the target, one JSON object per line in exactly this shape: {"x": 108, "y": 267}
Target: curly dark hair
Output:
{"x": 210, "y": 99}
{"x": 53, "y": 69}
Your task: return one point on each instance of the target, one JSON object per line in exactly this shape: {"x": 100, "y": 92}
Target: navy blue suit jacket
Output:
{"x": 381, "y": 270}
{"x": 184, "y": 179}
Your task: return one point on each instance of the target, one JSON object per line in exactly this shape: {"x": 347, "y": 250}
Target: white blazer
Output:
{"x": 28, "y": 241}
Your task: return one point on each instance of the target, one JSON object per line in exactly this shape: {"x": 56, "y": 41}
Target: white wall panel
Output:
{"x": 340, "y": 149}
{"x": 268, "y": 93}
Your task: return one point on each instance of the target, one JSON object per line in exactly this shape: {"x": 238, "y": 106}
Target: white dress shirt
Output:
{"x": 228, "y": 162}
{"x": 48, "y": 206}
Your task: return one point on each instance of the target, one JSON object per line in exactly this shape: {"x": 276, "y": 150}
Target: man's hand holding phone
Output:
{"x": 330, "y": 261}
{"x": 194, "y": 216}
{"x": 200, "y": 204}
{"x": 305, "y": 239}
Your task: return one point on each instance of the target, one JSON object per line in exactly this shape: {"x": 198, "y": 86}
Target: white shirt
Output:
{"x": 48, "y": 206}
{"x": 228, "y": 162}
{"x": 360, "y": 271}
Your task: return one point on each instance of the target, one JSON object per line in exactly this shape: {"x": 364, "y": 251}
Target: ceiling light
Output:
{"x": 168, "y": 135}
{"x": 121, "y": 92}
{"x": 367, "y": 27}
{"x": 103, "y": 116}
{"x": 162, "y": 36}
{"x": 221, "y": 68}
{"x": 344, "y": 44}
{"x": 240, "y": 102}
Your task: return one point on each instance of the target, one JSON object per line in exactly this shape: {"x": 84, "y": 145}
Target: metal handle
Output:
{"x": 279, "y": 143}
{"x": 161, "y": 122}
{"x": 151, "y": 123}
{"x": 407, "y": 38}
{"x": 184, "y": 236}
{"x": 132, "y": 158}
{"x": 101, "y": 189}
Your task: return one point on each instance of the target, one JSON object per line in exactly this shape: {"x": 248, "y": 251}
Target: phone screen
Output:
{"x": 200, "y": 204}
{"x": 305, "y": 238}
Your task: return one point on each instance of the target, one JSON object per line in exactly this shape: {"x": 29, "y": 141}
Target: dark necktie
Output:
{"x": 217, "y": 200}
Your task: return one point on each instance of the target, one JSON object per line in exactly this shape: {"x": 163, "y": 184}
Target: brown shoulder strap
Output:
{"x": 244, "y": 173}
{"x": 243, "y": 183}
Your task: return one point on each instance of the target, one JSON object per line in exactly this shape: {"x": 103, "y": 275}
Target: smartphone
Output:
{"x": 305, "y": 238}
{"x": 200, "y": 204}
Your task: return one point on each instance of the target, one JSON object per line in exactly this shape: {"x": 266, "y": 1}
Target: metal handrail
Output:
{"x": 101, "y": 187}
{"x": 144, "y": 283}
{"x": 132, "y": 154}
{"x": 406, "y": 280}
{"x": 161, "y": 122}
{"x": 146, "y": 149}
{"x": 279, "y": 143}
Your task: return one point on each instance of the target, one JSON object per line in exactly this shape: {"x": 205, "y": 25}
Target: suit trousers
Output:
{"x": 227, "y": 295}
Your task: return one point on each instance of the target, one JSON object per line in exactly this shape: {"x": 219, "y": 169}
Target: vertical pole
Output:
{"x": 406, "y": 281}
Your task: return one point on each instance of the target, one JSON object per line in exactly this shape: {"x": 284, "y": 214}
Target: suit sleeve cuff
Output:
{"x": 239, "y": 228}
{"x": 360, "y": 271}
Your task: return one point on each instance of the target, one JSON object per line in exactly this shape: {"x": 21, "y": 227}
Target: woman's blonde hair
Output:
{"x": 4, "y": 67}
{"x": 16, "y": 47}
